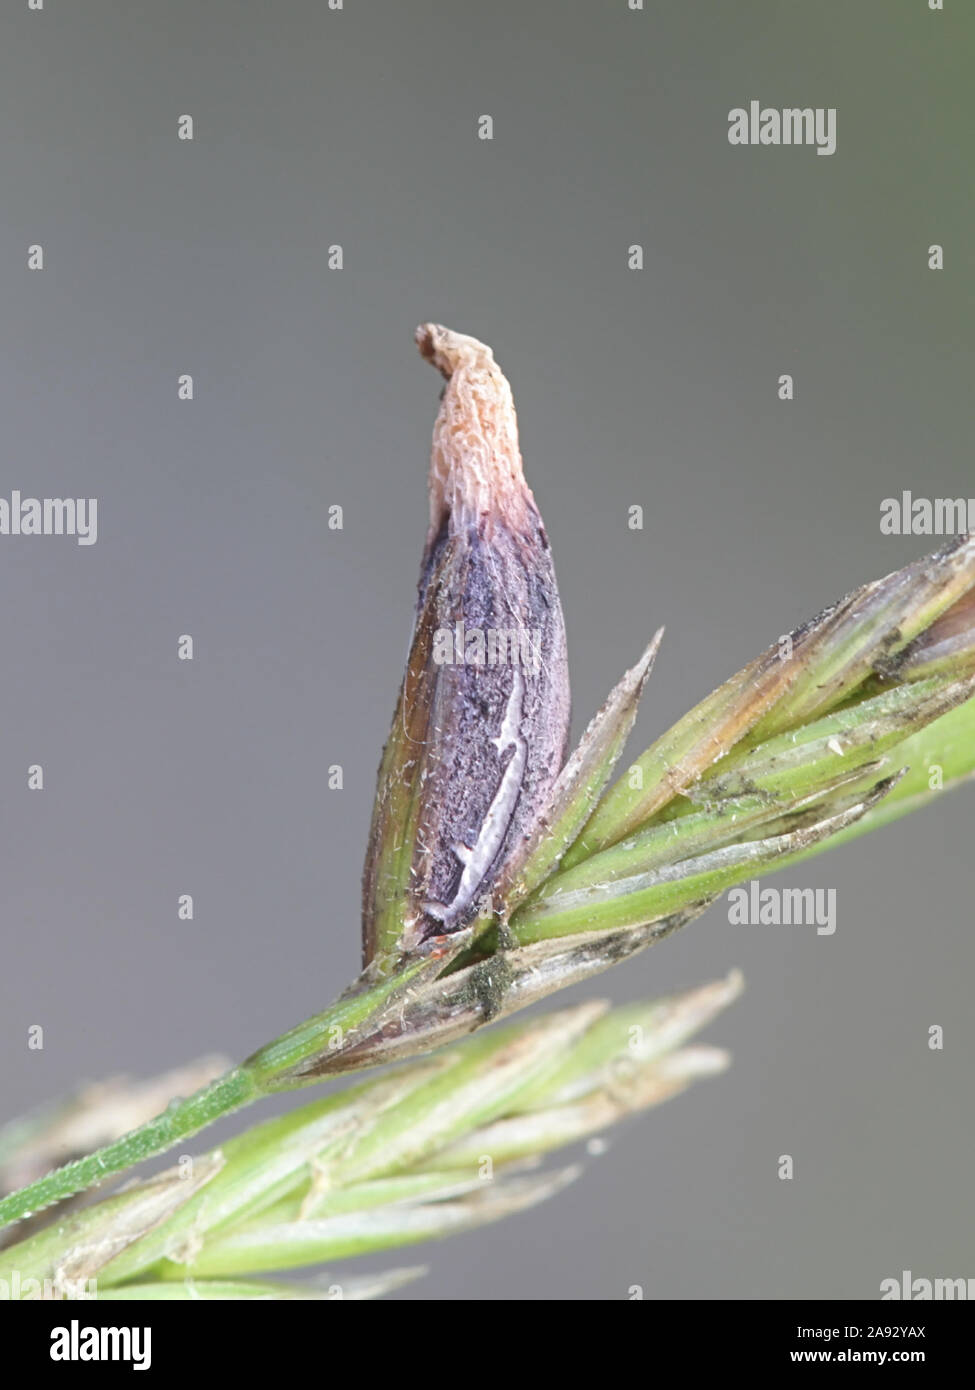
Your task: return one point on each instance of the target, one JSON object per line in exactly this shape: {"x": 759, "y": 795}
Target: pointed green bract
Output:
{"x": 631, "y": 1088}
{"x": 805, "y": 760}
{"x": 482, "y": 1081}
{"x": 695, "y": 832}
{"x": 803, "y": 676}
{"x": 946, "y": 648}
{"x": 937, "y": 759}
{"x": 648, "y": 897}
{"x": 642, "y": 1032}
{"x": 868, "y": 629}
{"x": 262, "y": 1247}
{"x": 578, "y": 787}
{"x": 682, "y": 754}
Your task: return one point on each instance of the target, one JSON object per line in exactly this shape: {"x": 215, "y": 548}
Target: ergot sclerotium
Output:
{"x": 482, "y": 721}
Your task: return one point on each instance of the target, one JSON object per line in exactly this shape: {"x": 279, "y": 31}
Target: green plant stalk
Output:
{"x": 239, "y": 1087}
{"x": 181, "y": 1119}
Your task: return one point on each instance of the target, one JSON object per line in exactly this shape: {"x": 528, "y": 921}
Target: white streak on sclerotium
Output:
{"x": 478, "y": 858}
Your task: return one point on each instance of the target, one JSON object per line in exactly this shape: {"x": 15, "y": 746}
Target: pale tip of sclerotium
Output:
{"x": 448, "y": 350}
{"x": 475, "y": 465}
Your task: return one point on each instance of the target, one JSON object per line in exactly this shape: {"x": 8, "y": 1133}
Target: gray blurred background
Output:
{"x": 658, "y": 387}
